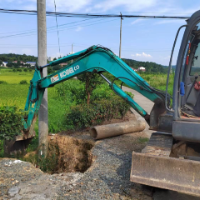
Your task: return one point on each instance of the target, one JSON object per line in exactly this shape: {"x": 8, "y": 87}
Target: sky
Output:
{"x": 142, "y": 39}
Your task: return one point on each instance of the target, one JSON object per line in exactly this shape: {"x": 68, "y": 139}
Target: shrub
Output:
{"x": 73, "y": 90}
{"x": 23, "y": 82}
{"x": 19, "y": 70}
{"x": 3, "y": 82}
{"x": 25, "y": 70}
{"x": 82, "y": 116}
{"x": 10, "y": 122}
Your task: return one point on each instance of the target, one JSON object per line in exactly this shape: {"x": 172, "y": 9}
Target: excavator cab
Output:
{"x": 171, "y": 159}
{"x": 186, "y": 96}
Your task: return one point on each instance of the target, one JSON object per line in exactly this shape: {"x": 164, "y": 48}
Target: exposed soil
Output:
{"x": 107, "y": 178}
{"x": 65, "y": 154}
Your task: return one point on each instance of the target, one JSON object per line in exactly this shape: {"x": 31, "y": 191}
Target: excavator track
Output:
{"x": 155, "y": 168}
{"x": 159, "y": 144}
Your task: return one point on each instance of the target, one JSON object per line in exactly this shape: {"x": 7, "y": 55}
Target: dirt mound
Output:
{"x": 65, "y": 154}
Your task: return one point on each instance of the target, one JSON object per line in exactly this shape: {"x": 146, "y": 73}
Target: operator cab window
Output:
{"x": 190, "y": 76}
{"x": 195, "y": 68}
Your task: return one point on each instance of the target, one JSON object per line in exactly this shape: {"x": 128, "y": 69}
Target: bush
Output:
{"x": 3, "y": 82}
{"x": 82, "y": 116}
{"x": 73, "y": 90}
{"x": 25, "y": 70}
{"x": 19, "y": 70}
{"x": 10, "y": 122}
{"x": 23, "y": 82}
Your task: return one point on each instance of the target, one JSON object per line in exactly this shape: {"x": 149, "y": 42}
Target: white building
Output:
{"x": 4, "y": 64}
{"x": 32, "y": 64}
{"x": 142, "y": 69}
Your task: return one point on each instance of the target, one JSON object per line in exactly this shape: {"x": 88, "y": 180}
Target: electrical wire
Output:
{"x": 62, "y": 14}
{"x": 48, "y": 29}
{"x": 52, "y": 30}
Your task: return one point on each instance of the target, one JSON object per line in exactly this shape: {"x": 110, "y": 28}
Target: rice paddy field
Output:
{"x": 12, "y": 93}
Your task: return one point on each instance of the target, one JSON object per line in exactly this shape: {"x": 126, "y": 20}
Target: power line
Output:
{"x": 51, "y": 27}
{"x": 62, "y": 14}
{"x": 28, "y": 33}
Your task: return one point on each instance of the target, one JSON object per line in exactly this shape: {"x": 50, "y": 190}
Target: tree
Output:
{"x": 91, "y": 80}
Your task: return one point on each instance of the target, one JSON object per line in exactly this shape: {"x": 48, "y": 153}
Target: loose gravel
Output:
{"x": 107, "y": 178}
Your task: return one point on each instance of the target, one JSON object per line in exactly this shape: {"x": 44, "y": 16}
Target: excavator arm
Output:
{"x": 94, "y": 59}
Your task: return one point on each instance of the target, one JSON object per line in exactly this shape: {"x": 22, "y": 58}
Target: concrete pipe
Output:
{"x": 110, "y": 130}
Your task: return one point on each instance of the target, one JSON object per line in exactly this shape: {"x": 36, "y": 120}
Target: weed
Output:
{"x": 3, "y": 82}
{"x": 22, "y": 82}
{"x": 143, "y": 140}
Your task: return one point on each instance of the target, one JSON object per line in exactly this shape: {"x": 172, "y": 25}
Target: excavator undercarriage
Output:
{"x": 166, "y": 165}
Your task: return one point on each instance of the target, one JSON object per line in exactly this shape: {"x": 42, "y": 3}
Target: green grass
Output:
{"x": 143, "y": 140}
{"x": 15, "y": 94}
{"x": 14, "y": 77}
{"x": 158, "y": 81}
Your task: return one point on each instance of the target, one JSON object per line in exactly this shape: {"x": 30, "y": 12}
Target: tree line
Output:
{"x": 151, "y": 67}
{"x": 17, "y": 57}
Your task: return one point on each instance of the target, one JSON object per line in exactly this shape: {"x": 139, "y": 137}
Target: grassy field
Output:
{"x": 14, "y": 94}
{"x": 158, "y": 81}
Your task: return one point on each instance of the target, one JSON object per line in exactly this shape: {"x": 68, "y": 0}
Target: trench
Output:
{"x": 65, "y": 154}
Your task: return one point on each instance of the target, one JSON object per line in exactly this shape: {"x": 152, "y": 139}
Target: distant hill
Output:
{"x": 151, "y": 67}
{"x": 17, "y": 57}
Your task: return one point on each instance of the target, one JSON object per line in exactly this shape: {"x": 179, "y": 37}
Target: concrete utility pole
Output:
{"x": 120, "y": 44}
{"x": 42, "y": 60}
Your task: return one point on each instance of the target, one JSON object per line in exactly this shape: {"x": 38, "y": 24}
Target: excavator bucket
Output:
{"x": 162, "y": 171}
{"x": 19, "y": 144}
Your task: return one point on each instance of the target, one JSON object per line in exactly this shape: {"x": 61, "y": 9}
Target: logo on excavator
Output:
{"x": 69, "y": 71}
{"x": 54, "y": 78}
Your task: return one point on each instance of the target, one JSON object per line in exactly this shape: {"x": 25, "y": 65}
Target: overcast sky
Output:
{"x": 142, "y": 39}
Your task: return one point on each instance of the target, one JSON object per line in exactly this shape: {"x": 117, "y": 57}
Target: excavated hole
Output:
{"x": 65, "y": 154}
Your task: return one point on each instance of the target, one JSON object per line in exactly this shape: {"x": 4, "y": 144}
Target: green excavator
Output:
{"x": 171, "y": 159}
